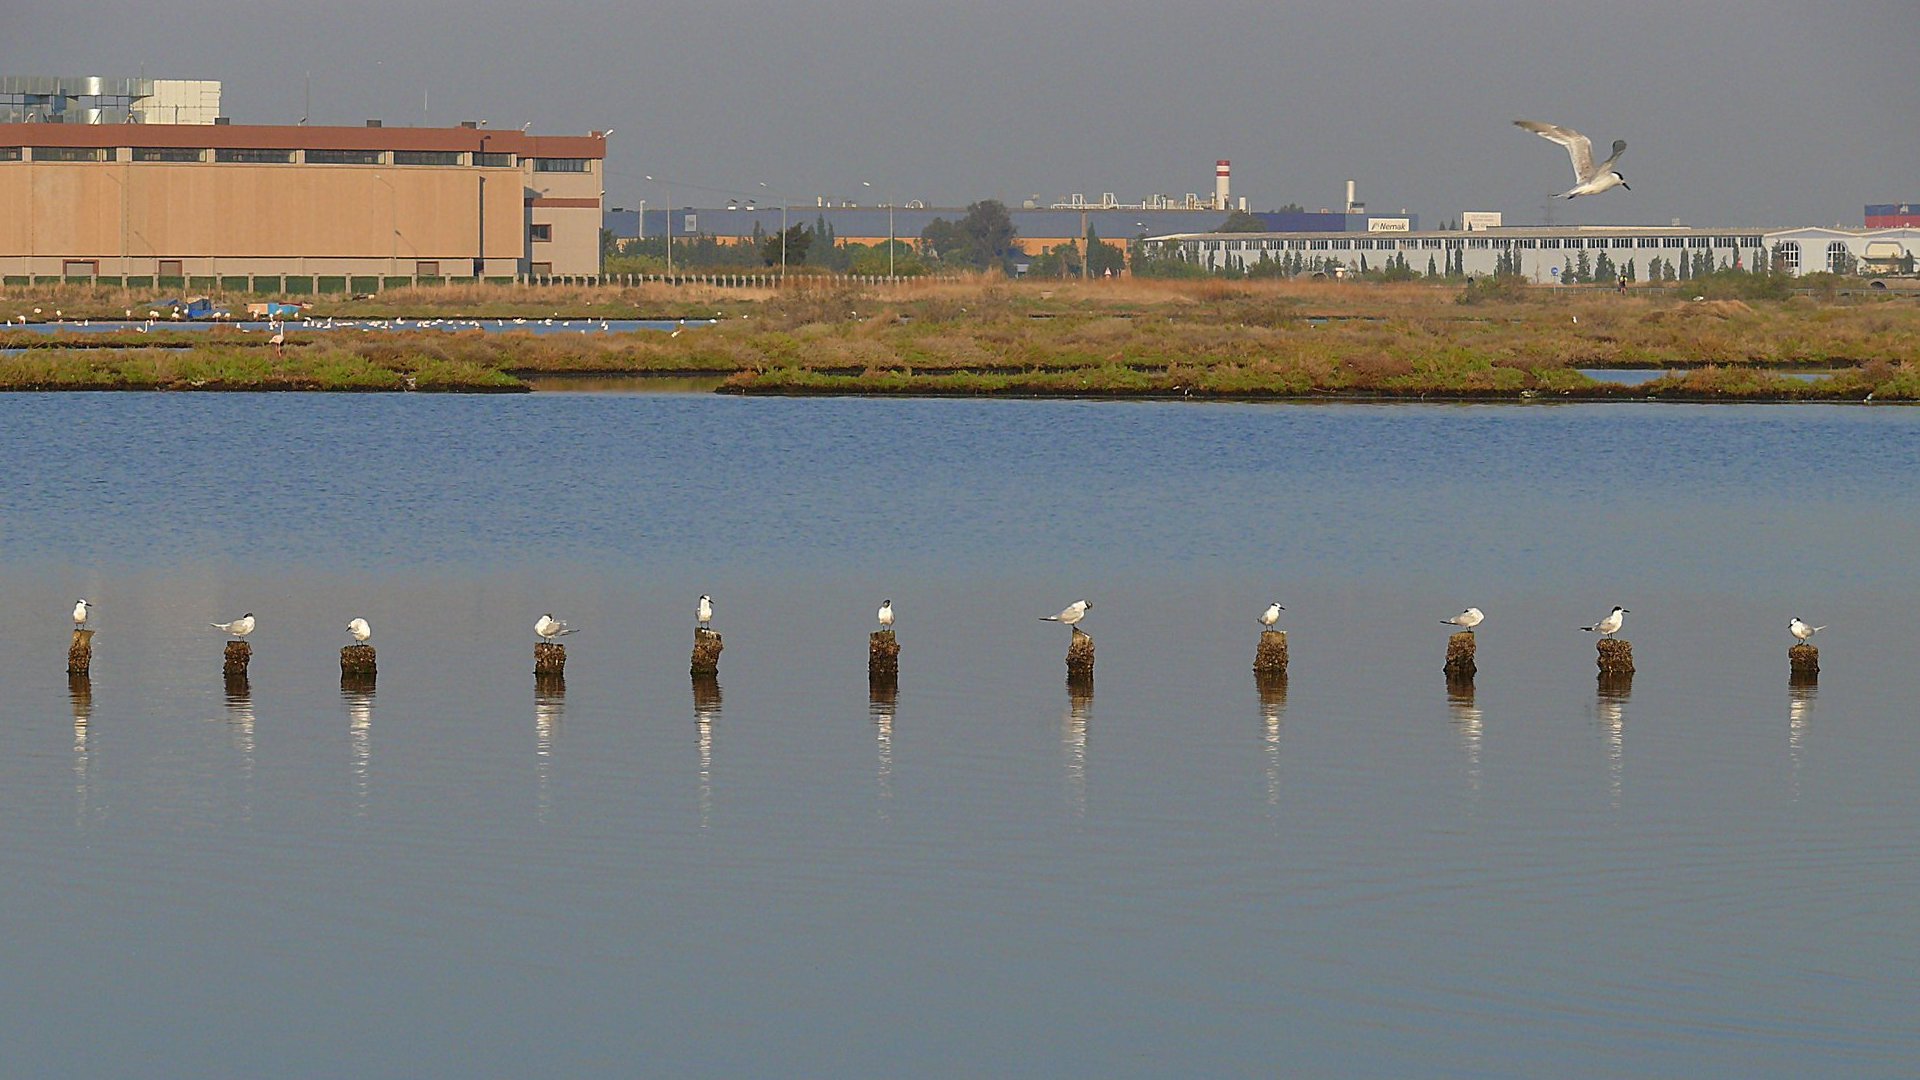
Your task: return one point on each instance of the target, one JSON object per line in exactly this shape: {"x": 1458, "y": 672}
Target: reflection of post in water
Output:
{"x": 1273, "y": 707}
{"x": 1468, "y": 725}
{"x": 1610, "y": 708}
{"x": 1801, "y": 692}
{"x": 1073, "y": 740}
{"x": 882, "y": 698}
{"x": 356, "y": 692}
{"x": 549, "y": 705}
{"x": 240, "y": 731}
{"x": 706, "y": 711}
{"x": 80, "y": 693}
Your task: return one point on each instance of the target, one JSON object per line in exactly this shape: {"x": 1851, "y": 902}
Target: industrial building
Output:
{"x": 320, "y": 207}
{"x": 1542, "y": 252}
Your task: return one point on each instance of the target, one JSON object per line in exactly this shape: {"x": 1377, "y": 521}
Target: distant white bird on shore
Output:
{"x": 1608, "y": 625}
{"x": 703, "y": 614}
{"x": 360, "y": 630}
{"x": 80, "y": 612}
{"x": 1589, "y": 179}
{"x": 1467, "y": 619}
{"x": 1271, "y": 615}
{"x": 1073, "y": 613}
{"x": 1794, "y": 626}
{"x": 549, "y": 627}
{"x": 886, "y": 613}
{"x": 239, "y": 627}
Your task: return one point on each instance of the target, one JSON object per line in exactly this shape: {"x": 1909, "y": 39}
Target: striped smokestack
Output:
{"x": 1222, "y": 171}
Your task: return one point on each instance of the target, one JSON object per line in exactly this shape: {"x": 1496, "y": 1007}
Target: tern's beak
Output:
{"x": 1626, "y": 185}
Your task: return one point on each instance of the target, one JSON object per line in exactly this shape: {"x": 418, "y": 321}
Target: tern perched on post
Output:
{"x": 1467, "y": 619}
{"x": 360, "y": 630}
{"x": 885, "y": 613}
{"x": 1608, "y": 626}
{"x": 1271, "y": 615}
{"x": 1589, "y": 179}
{"x": 703, "y": 614}
{"x": 1802, "y": 630}
{"x": 1073, "y": 613}
{"x": 80, "y": 612}
{"x": 239, "y": 627}
{"x": 549, "y": 627}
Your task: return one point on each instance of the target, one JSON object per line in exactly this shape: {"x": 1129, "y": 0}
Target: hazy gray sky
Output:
{"x": 1761, "y": 112}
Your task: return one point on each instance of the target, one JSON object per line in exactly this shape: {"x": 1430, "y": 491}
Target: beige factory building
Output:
{"x": 151, "y": 203}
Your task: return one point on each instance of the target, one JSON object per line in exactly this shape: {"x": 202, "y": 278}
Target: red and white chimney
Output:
{"x": 1222, "y": 173}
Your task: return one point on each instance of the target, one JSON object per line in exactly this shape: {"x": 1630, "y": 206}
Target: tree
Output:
{"x": 989, "y": 232}
{"x": 1433, "y": 269}
{"x": 1292, "y": 208}
{"x": 1102, "y": 256}
{"x": 1241, "y": 221}
{"x": 798, "y": 239}
{"x": 945, "y": 243}
{"x": 1603, "y": 271}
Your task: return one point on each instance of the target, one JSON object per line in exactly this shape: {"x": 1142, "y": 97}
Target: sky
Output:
{"x": 1756, "y": 113}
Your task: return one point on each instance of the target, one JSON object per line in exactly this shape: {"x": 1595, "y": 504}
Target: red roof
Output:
{"x": 296, "y": 137}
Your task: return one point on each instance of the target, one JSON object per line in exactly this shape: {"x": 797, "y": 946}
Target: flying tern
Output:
{"x": 1589, "y": 179}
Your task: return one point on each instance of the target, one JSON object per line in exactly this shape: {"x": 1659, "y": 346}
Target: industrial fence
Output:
{"x": 357, "y": 284}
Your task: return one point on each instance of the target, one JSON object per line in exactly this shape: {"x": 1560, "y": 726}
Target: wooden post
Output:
{"x": 1616, "y": 656}
{"x": 1080, "y": 657}
{"x": 1802, "y": 659}
{"x": 706, "y": 653}
{"x": 357, "y": 660}
{"x": 80, "y": 653}
{"x": 549, "y": 659}
{"x": 1460, "y": 649}
{"x": 239, "y": 654}
{"x": 883, "y": 658}
{"x": 1270, "y": 656}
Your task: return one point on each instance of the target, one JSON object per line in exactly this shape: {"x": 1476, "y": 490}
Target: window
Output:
{"x": 343, "y": 157}
{"x": 171, "y": 268}
{"x": 560, "y": 164}
{"x": 79, "y": 268}
{"x": 169, "y": 153}
{"x": 245, "y": 155}
{"x": 69, "y": 153}
{"x": 1789, "y": 255}
{"x": 9, "y": 153}
{"x": 1647, "y": 242}
{"x": 542, "y": 269}
{"x": 427, "y": 268}
{"x": 494, "y": 161}
{"x": 1839, "y": 259}
{"x": 539, "y": 233}
{"x": 426, "y": 157}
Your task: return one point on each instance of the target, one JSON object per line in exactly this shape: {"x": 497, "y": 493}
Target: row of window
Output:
{"x": 256, "y": 156}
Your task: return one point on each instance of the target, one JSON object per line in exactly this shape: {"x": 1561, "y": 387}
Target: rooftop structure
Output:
{"x": 49, "y": 99}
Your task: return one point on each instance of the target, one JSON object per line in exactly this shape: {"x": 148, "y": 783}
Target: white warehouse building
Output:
{"x": 1542, "y": 252}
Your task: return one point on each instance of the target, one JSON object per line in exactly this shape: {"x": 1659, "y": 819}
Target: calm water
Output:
{"x": 455, "y": 875}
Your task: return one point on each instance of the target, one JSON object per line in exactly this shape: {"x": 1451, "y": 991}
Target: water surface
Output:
{"x": 1364, "y": 872}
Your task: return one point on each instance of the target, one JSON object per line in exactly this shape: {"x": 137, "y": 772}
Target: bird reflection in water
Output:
{"x": 882, "y": 698}
{"x": 240, "y": 732}
{"x": 1610, "y": 709}
{"x": 1273, "y": 708}
{"x": 1073, "y": 741}
{"x": 356, "y": 691}
{"x": 1468, "y": 726}
{"x": 1801, "y": 692}
{"x": 549, "y": 705}
{"x": 706, "y": 711}
{"x": 80, "y": 693}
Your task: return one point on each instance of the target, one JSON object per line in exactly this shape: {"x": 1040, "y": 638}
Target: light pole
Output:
{"x": 869, "y": 183}
{"x": 668, "y": 188}
{"x": 783, "y": 233}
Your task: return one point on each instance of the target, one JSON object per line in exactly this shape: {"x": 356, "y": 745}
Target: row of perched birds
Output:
{"x": 548, "y": 628}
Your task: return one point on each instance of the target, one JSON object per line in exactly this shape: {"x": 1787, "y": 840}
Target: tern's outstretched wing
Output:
{"x": 1619, "y": 147}
{"x": 1579, "y": 147}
